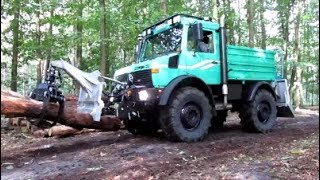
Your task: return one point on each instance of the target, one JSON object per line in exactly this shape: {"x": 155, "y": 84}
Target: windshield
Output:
{"x": 163, "y": 43}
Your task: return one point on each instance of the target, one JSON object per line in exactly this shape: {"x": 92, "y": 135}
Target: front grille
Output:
{"x": 140, "y": 78}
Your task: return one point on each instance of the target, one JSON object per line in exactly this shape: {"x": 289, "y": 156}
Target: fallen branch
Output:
{"x": 56, "y": 131}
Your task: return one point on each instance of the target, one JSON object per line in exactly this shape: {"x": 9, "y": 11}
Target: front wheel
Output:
{"x": 260, "y": 114}
{"x": 187, "y": 115}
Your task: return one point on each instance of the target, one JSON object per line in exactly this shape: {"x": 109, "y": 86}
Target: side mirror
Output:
{"x": 197, "y": 34}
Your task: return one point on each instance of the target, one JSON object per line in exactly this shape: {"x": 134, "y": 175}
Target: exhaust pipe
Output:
{"x": 223, "y": 57}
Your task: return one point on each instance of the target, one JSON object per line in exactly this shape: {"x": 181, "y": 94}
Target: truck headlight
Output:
{"x": 143, "y": 95}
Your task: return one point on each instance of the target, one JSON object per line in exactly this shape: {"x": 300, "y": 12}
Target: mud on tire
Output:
{"x": 187, "y": 116}
{"x": 260, "y": 114}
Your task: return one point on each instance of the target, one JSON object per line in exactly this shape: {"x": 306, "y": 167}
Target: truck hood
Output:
{"x": 158, "y": 62}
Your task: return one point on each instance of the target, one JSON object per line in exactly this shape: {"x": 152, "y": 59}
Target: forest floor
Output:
{"x": 290, "y": 151}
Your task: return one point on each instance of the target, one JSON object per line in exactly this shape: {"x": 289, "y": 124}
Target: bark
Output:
{"x": 250, "y": 18}
{"x": 215, "y": 10}
{"x": 284, "y": 22}
{"x": 39, "y": 72}
{"x": 295, "y": 79}
{"x": 163, "y": 7}
{"x": 16, "y": 105}
{"x": 78, "y": 28}
{"x": 38, "y": 37}
{"x": 15, "y": 48}
{"x": 47, "y": 62}
{"x": 239, "y": 33}
{"x": 229, "y": 21}
{"x": 262, "y": 24}
{"x": 200, "y": 8}
{"x": 103, "y": 52}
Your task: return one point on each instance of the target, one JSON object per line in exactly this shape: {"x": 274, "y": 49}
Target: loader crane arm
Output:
{"x": 90, "y": 94}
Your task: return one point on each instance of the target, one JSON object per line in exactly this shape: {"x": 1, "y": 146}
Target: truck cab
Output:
{"x": 186, "y": 78}
{"x": 168, "y": 50}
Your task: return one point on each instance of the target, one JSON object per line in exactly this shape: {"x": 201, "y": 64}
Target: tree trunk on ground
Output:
{"x": 15, "y": 48}
{"x": 16, "y": 105}
{"x": 250, "y": 19}
{"x": 57, "y": 131}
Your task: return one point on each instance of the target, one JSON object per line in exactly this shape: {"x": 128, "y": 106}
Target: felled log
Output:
{"x": 16, "y": 105}
{"x": 56, "y": 131}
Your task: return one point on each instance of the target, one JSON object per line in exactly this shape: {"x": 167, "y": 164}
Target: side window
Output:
{"x": 206, "y": 45}
{"x": 190, "y": 43}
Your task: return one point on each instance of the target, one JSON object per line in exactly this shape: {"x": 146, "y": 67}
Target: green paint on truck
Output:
{"x": 186, "y": 78}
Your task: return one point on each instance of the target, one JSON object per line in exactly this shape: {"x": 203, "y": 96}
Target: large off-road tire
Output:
{"x": 187, "y": 116}
{"x": 260, "y": 114}
{"x": 218, "y": 121}
{"x": 144, "y": 126}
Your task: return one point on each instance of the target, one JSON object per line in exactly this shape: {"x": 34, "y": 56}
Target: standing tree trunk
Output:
{"x": 215, "y": 10}
{"x": 103, "y": 52}
{"x": 284, "y": 13}
{"x": 47, "y": 62}
{"x": 295, "y": 81}
{"x": 163, "y": 7}
{"x": 230, "y": 19}
{"x": 38, "y": 36}
{"x": 250, "y": 18}
{"x": 79, "y": 28}
{"x": 78, "y": 41}
{"x": 239, "y": 25}
{"x": 15, "y": 48}
{"x": 262, "y": 24}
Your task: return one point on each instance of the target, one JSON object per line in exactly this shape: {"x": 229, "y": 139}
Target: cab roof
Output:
{"x": 170, "y": 17}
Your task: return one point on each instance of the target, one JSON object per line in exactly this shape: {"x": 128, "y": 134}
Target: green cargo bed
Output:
{"x": 250, "y": 64}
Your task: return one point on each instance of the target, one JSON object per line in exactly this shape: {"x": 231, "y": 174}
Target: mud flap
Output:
{"x": 283, "y": 99}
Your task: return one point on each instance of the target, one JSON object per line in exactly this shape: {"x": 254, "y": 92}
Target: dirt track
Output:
{"x": 291, "y": 150}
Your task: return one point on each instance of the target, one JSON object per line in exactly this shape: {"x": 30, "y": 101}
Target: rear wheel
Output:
{"x": 260, "y": 114}
{"x": 187, "y": 116}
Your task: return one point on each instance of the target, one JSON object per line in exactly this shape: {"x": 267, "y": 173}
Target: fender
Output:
{"x": 186, "y": 80}
{"x": 253, "y": 88}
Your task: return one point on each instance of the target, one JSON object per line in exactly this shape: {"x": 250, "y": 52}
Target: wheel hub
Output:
{"x": 264, "y": 111}
{"x": 191, "y": 116}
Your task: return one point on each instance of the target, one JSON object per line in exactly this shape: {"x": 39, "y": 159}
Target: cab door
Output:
{"x": 204, "y": 64}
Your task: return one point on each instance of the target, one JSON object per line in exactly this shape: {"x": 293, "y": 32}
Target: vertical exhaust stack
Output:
{"x": 223, "y": 57}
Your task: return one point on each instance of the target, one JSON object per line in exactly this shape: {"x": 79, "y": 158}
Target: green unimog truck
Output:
{"x": 186, "y": 79}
